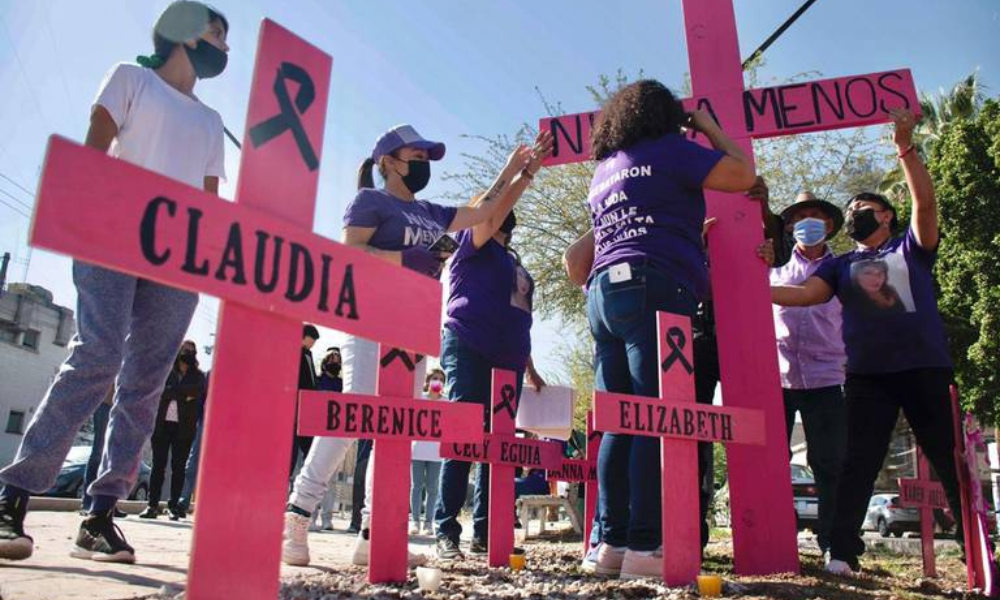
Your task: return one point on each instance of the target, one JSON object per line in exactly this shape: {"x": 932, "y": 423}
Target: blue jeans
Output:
{"x": 623, "y": 323}
{"x": 425, "y": 476}
{"x": 100, "y": 420}
{"x": 469, "y": 375}
{"x": 191, "y": 469}
{"x": 128, "y": 331}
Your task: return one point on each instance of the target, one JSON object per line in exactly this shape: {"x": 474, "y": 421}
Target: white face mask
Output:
{"x": 810, "y": 231}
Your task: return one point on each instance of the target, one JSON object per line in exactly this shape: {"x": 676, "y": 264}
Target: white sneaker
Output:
{"x": 295, "y": 540}
{"x": 838, "y": 567}
{"x": 428, "y": 529}
{"x": 360, "y": 555}
{"x": 414, "y": 528}
{"x": 641, "y": 565}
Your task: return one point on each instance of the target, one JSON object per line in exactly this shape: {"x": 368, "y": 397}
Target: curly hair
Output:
{"x": 639, "y": 111}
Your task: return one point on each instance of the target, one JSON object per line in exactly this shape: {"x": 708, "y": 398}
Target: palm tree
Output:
{"x": 960, "y": 104}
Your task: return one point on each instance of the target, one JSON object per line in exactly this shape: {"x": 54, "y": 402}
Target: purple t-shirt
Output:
{"x": 891, "y": 320}
{"x": 398, "y": 223}
{"x": 489, "y": 303}
{"x": 646, "y": 202}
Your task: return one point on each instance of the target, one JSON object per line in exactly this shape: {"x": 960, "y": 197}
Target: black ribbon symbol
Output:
{"x": 288, "y": 118}
{"x": 594, "y": 434}
{"x": 677, "y": 340}
{"x": 395, "y": 353}
{"x": 508, "y": 398}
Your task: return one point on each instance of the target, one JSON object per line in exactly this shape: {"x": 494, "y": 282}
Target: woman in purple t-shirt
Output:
{"x": 897, "y": 348}
{"x": 648, "y": 209}
{"x": 488, "y": 326}
{"x": 391, "y": 223}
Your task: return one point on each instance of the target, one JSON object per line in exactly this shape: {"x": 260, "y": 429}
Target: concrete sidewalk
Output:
{"x": 162, "y": 560}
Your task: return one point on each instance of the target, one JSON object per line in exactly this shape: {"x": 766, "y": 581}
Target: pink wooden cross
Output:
{"x": 260, "y": 257}
{"x": 583, "y": 471}
{"x": 760, "y": 480}
{"x": 678, "y": 421}
{"x": 504, "y": 451}
{"x": 393, "y": 419}
{"x": 980, "y": 563}
{"x": 925, "y": 494}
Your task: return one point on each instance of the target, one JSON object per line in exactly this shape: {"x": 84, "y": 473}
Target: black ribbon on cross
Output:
{"x": 508, "y": 401}
{"x": 395, "y": 353}
{"x": 677, "y": 340}
{"x": 288, "y": 118}
{"x": 593, "y": 435}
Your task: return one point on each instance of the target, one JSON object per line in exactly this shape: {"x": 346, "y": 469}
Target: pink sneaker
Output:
{"x": 609, "y": 560}
{"x": 642, "y": 565}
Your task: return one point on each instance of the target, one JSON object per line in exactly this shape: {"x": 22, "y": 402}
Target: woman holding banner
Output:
{"x": 488, "y": 326}
{"x": 391, "y": 223}
{"x": 648, "y": 210}
{"x": 897, "y": 347}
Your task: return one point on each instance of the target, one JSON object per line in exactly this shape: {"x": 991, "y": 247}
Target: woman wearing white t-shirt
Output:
{"x": 425, "y": 465}
{"x": 128, "y": 329}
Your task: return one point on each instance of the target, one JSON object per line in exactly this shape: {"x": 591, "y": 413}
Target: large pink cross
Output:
{"x": 980, "y": 563}
{"x": 504, "y": 452}
{"x": 680, "y": 423}
{"x": 393, "y": 419}
{"x": 759, "y": 477}
{"x": 261, "y": 258}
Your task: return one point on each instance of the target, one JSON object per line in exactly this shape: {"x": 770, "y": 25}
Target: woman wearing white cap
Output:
{"x": 391, "y": 223}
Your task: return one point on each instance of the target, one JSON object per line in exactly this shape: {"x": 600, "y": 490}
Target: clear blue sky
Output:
{"x": 449, "y": 67}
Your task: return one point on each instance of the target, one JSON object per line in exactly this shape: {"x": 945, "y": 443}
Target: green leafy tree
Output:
{"x": 965, "y": 164}
{"x": 961, "y": 103}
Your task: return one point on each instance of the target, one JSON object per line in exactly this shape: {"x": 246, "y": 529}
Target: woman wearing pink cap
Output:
{"x": 391, "y": 223}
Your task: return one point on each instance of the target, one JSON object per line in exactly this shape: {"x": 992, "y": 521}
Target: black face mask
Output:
{"x": 207, "y": 60}
{"x": 861, "y": 224}
{"x": 332, "y": 368}
{"x": 418, "y": 176}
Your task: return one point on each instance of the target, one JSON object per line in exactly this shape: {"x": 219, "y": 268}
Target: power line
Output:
{"x": 15, "y": 198}
{"x": 55, "y": 49}
{"x": 18, "y": 185}
{"x": 774, "y": 36}
{"x": 24, "y": 74}
{"x": 15, "y": 209}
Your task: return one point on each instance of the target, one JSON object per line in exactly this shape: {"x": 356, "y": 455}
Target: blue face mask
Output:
{"x": 810, "y": 231}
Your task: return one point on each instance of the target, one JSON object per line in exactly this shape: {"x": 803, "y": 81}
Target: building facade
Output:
{"x": 34, "y": 335}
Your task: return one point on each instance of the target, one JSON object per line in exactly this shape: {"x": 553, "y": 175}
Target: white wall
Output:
{"x": 26, "y": 373}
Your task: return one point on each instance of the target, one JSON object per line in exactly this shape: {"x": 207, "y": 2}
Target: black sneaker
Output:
{"x": 14, "y": 543}
{"x": 150, "y": 512}
{"x": 447, "y": 549}
{"x": 479, "y": 546}
{"x": 101, "y": 540}
{"x": 176, "y": 514}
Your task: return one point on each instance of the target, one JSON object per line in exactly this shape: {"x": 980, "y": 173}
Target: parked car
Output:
{"x": 806, "y": 497}
{"x": 69, "y": 483}
{"x": 886, "y": 516}
{"x": 805, "y": 500}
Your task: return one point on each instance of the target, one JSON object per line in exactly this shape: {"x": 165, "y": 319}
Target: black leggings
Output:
{"x": 173, "y": 439}
{"x": 873, "y": 404}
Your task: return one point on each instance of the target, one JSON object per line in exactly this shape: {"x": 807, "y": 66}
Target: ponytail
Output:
{"x": 365, "y": 179}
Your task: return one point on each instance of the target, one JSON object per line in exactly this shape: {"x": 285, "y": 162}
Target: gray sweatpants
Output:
{"x": 126, "y": 327}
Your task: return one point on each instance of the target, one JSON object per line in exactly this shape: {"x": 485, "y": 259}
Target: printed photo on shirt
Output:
{"x": 523, "y": 289}
{"x": 882, "y": 285}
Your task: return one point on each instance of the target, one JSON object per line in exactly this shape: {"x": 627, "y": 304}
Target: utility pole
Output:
{"x": 4, "y": 261}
